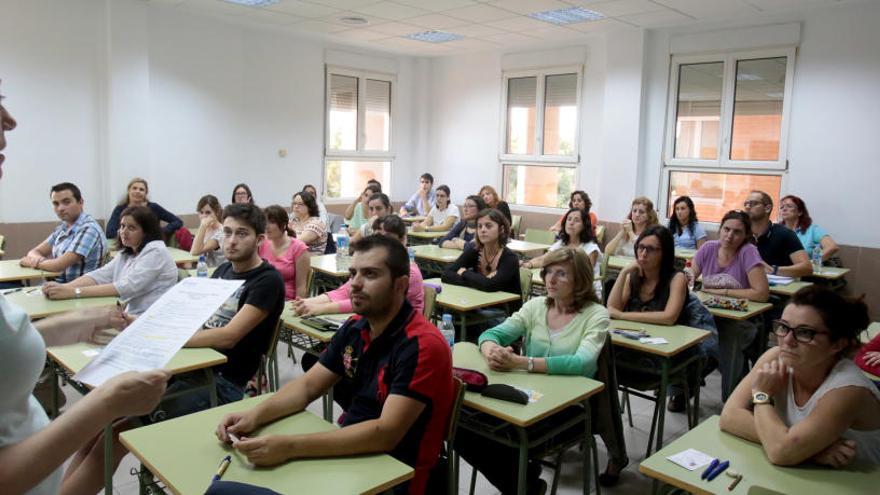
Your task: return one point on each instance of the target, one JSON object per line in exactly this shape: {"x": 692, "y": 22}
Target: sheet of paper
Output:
{"x": 533, "y": 395}
{"x": 653, "y": 340}
{"x": 778, "y": 279}
{"x": 691, "y": 459}
{"x": 156, "y": 336}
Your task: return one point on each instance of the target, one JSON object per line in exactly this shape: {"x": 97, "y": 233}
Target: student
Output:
{"x": 563, "y": 334}
{"x": 868, "y": 357}
{"x": 466, "y": 228}
{"x": 795, "y": 216}
{"x": 490, "y": 196}
{"x": 578, "y": 234}
{"x": 33, "y": 450}
{"x": 356, "y": 212}
{"x": 641, "y": 216}
{"x": 289, "y": 255}
{"x": 378, "y": 206}
{"x": 77, "y": 244}
{"x": 209, "y": 238}
{"x": 421, "y": 202}
{"x": 780, "y": 248}
{"x": 581, "y": 201}
{"x": 243, "y": 326}
{"x": 339, "y": 300}
{"x": 442, "y": 216}
{"x": 139, "y": 275}
{"x": 732, "y": 266}
{"x": 137, "y": 196}
{"x": 304, "y": 221}
{"x": 487, "y": 264}
{"x": 805, "y": 400}
{"x": 395, "y": 362}
{"x": 241, "y": 193}
{"x": 685, "y": 227}
{"x": 322, "y": 210}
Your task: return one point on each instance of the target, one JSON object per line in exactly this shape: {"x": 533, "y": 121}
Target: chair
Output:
{"x": 540, "y": 236}
{"x": 515, "y": 224}
{"x": 2, "y": 243}
{"x": 334, "y": 222}
{"x": 525, "y": 283}
{"x": 600, "y": 234}
{"x": 430, "y": 295}
{"x": 452, "y": 460}
{"x": 269, "y": 363}
{"x": 330, "y": 248}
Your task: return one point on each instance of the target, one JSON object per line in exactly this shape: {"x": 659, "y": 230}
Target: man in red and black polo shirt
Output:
{"x": 395, "y": 363}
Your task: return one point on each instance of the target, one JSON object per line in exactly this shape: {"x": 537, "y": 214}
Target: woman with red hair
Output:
{"x": 794, "y": 214}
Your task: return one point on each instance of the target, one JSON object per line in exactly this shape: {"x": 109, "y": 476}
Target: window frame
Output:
{"x": 359, "y": 154}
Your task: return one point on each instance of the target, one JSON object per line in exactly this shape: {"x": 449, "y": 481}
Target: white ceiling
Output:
{"x": 485, "y": 24}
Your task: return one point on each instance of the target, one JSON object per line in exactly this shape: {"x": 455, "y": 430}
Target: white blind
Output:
{"x": 378, "y": 96}
{"x": 521, "y": 92}
{"x": 560, "y": 90}
{"x": 343, "y": 93}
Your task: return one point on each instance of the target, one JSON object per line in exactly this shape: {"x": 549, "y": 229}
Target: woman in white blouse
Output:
{"x": 443, "y": 214}
{"x": 141, "y": 272}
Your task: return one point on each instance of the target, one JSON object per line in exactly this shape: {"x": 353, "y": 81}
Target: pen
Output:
{"x": 720, "y": 469}
{"x": 709, "y": 469}
{"x": 222, "y": 469}
{"x": 736, "y": 479}
{"x": 10, "y": 291}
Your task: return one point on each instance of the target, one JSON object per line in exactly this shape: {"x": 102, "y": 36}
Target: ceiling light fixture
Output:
{"x": 570, "y": 15}
{"x": 253, "y": 3}
{"x": 434, "y": 36}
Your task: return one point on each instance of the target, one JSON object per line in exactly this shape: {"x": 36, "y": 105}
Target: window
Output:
{"x": 358, "y": 144}
{"x": 727, "y": 128}
{"x": 540, "y": 136}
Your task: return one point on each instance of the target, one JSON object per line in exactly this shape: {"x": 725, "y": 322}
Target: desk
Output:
{"x": 422, "y": 238}
{"x": 188, "y": 467}
{"x": 463, "y": 300}
{"x": 560, "y": 392}
{"x": 754, "y": 309}
{"x": 182, "y": 258}
{"x": 680, "y": 338}
{"x": 685, "y": 254}
{"x": 413, "y": 219}
{"x": 749, "y": 459}
{"x": 523, "y": 247}
{"x": 36, "y": 305}
{"x": 68, "y": 360}
{"x": 872, "y": 331}
{"x": 331, "y": 271}
{"x": 831, "y": 273}
{"x": 620, "y": 262}
{"x": 432, "y": 259}
{"x": 11, "y": 271}
{"x": 788, "y": 290}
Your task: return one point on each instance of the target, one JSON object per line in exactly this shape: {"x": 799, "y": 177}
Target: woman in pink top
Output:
{"x": 339, "y": 300}
{"x": 288, "y": 255}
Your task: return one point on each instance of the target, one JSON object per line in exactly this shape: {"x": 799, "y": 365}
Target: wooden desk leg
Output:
{"x": 108, "y": 459}
{"x": 523, "y": 460}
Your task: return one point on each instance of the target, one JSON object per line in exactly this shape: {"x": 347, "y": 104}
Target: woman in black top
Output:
{"x": 136, "y": 195}
{"x": 487, "y": 264}
{"x": 490, "y": 196}
{"x": 465, "y": 229}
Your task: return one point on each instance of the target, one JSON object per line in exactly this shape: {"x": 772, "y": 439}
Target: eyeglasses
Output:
{"x": 801, "y": 334}
{"x": 648, "y": 249}
{"x": 787, "y": 206}
{"x": 749, "y": 204}
{"x": 241, "y": 194}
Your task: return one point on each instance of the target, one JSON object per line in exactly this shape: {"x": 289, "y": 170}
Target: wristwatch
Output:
{"x": 77, "y": 292}
{"x": 775, "y": 269}
{"x": 531, "y": 364}
{"x": 761, "y": 398}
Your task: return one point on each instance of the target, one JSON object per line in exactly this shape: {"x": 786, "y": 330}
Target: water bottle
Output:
{"x": 202, "y": 267}
{"x": 689, "y": 272}
{"x": 816, "y": 259}
{"x": 412, "y": 255}
{"x": 342, "y": 240}
{"x": 448, "y": 329}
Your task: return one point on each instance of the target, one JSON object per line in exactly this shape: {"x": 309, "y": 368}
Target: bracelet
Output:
{"x": 531, "y": 364}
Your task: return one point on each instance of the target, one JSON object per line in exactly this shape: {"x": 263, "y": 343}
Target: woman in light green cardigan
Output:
{"x": 563, "y": 333}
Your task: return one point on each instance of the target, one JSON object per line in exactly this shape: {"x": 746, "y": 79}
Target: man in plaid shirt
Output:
{"x": 77, "y": 246}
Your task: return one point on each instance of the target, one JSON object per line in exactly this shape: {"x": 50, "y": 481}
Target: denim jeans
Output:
{"x": 197, "y": 400}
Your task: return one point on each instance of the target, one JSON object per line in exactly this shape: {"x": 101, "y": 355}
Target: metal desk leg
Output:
{"x": 212, "y": 386}
{"x": 328, "y": 405}
{"x": 464, "y": 327}
{"x": 661, "y": 404}
{"x": 108, "y": 459}
{"x": 588, "y": 451}
{"x": 695, "y": 420}
{"x": 523, "y": 460}
{"x": 56, "y": 387}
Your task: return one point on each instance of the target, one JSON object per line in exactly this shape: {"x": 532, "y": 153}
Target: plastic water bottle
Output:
{"x": 816, "y": 259}
{"x": 202, "y": 267}
{"x": 412, "y": 255}
{"x": 342, "y": 240}
{"x": 689, "y": 272}
{"x": 448, "y": 329}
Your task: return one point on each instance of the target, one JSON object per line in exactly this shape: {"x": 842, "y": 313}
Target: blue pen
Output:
{"x": 709, "y": 469}
{"x": 720, "y": 469}
{"x": 222, "y": 469}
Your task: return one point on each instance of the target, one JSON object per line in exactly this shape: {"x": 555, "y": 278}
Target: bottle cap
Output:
{"x": 447, "y": 317}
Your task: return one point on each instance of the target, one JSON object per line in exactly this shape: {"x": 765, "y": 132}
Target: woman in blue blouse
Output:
{"x": 793, "y": 213}
{"x": 136, "y": 195}
{"x": 685, "y": 227}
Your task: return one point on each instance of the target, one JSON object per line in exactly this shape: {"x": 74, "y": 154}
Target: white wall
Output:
{"x": 108, "y": 90}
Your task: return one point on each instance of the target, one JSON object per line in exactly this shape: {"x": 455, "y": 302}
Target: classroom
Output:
{"x": 641, "y": 219}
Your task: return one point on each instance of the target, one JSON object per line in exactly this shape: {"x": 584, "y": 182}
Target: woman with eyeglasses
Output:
{"x": 306, "y": 223}
{"x": 581, "y": 201}
{"x": 805, "y": 400}
{"x": 241, "y": 193}
{"x": 641, "y": 216}
{"x": 732, "y": 267}
{"x": 562, "y": 334}
{"x": 685, "y": 227}
{"x": 465, "y": 229}
{"x": 794, "y": 214}
{"x": 443, "y": 214}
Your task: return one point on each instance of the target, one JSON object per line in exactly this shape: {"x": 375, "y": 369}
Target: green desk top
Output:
{"x": 831, "y": 273}
{"x": 36, "y": 305}
{"x": 559, "y": 391}
{"x": 72, "y": 359}
{"x": 748, "y": 458}
{"x": 462, "y": 298}
{"x": 428, "y": 235}
{"x": 685, "y": 254}
{"x": 413, "y": 219}
{"x": 184, "y": 453}
{"x": 518, "y": 246}
{"x": 680, "y": 337}
{"x": 620, "y": 262}
{"x": 327, "y": 264}
{"x": 872, "y": 331}
{"x": 11, "y": 271}
{"x": 182, "y": 257}
{"x": 755, "y": 308}
{"x": 788, "y": 290}
{"x": 294, "y": 323}
{"x": 435, "y": 253}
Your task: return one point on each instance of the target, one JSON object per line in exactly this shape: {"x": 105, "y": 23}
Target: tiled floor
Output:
{"x": 571, "y": 479}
